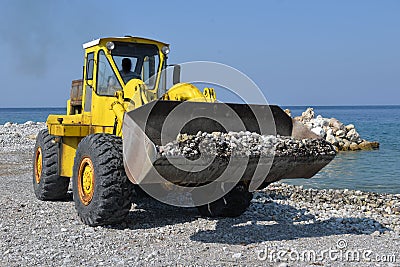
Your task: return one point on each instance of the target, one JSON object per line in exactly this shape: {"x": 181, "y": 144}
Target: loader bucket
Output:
{"x": 159, "y": 122}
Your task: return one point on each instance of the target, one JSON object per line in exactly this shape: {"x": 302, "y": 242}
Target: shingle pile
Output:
{"x": 242, "y": 144}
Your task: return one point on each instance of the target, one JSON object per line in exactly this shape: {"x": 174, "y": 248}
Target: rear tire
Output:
{"x": 47, "y": 184}
{"x": 102, "y": 192}
{"x": 233, "y": 204}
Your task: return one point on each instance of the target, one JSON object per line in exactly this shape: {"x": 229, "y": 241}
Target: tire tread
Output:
{"x": 111, "y": 200}
{"x": 51, "y": 185}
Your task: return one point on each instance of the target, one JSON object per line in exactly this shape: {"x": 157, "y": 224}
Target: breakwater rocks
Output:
{"x": 343, "y": 137}
{"x": 341, "y": 207}
{"x": 19, "y": 137}
{"x": 243, "y": 144}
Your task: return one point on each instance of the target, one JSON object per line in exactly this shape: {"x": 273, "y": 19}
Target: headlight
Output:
{"x": 110, "y": 45}
{"x": 165, "y": 50}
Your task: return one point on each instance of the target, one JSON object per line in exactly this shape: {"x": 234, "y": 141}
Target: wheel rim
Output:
{"x": 38, "y": 164}
{"x": 86, "y": 181}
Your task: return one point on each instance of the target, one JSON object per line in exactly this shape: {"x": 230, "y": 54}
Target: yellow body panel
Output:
{"x": 69, "y": 106}
{"x": 184, "y": 92}
{"x": 104, "y": 114}
{"x": 67, "y": 155}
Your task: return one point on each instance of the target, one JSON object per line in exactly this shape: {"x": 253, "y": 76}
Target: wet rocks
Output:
{"x": 343, "y": 137}
{"x": 243, "y": 144}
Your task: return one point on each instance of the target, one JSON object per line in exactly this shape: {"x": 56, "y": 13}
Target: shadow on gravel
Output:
{"x": 282, "y": 222}
{"x": 150, "y": 213}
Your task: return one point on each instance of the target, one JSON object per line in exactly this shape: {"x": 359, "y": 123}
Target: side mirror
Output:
{"x": 176, "y": 78}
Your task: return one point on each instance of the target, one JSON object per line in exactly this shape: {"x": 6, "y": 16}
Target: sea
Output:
{"x": 373, "y": 171}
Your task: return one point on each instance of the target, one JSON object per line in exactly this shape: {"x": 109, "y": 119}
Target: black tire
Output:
{"x": 47, "y": 184}
{"x": 111, "y": 190}
{"x": 233, "y": 204}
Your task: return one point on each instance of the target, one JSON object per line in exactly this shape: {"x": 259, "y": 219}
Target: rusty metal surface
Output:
{"x": 76, "y": 92}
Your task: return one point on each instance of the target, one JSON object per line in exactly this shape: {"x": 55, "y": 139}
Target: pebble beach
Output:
{"x": 284, "y": 223}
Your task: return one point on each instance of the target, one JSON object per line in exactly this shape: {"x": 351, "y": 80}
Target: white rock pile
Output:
{"x": 343, "y": 137}
{"x": 17, "y": 137}
{"x": 242, "y": 144}
{"x": 338, "y": 205}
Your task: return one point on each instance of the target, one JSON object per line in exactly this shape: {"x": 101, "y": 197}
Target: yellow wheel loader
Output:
{"x": 111, "y": 134}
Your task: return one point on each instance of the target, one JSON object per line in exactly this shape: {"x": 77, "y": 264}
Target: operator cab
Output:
{"x": 133, "y": 61}
{"x": 142, "y": 59}
{"x": 111, "y": 63}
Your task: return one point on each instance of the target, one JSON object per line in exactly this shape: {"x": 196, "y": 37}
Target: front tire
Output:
{"x": 102, "y": 192}
{"x": 47, "y": 184}
{"x": 233, "y": 204}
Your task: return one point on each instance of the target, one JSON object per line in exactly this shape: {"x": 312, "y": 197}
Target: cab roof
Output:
{"x": 124, "y": 38}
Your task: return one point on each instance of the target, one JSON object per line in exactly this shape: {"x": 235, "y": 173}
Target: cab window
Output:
{"x": 89, "y": 66}
{"x": 144, "y": 61}
{"x": 150, "y": 65}
{"x": 107, "y": 82}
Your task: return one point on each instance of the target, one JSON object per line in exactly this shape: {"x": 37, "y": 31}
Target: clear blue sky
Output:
{"x": 298, "y": 52}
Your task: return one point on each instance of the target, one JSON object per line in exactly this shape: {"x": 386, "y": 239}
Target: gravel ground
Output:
{"x": 336, "y": 225}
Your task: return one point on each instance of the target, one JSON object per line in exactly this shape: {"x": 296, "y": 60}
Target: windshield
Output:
{"x": 137, "y": 61}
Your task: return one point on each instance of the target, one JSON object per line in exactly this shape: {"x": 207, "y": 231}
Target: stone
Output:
{"x": 308, "y": 114}
{"x": 288, "y": 112}
{"x": 396, "y": 210}
{"x": 354, "y": 146}
{"x": 325, "y": 123}
{"x": 331, "y": 139}
{"x": 32, "y": 136}
{"x": 345, "y": 146}
{"x": 237, "y": 255}
{"x": 374, "y": 145}
{"x": 7, "y": 124}
{"x": 349, "y": 127}
{"x": 340, "y": 133}
{"x": 318, "y": 131}
{"x": 335, "y": 123}
{"x": 376, "y": 233}
{"x": 388, "y": 210}
{"x": 352, "y": 135}
{"x": 366, "y": 145}
{"x": 363, "y": 208}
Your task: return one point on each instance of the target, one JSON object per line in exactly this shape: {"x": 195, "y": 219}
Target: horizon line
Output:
{"x": 281, "y": 105}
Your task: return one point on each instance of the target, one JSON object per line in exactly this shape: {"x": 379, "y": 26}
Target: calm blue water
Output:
{"x": 21, "y": 115}
{"x": 377, "y": 170}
